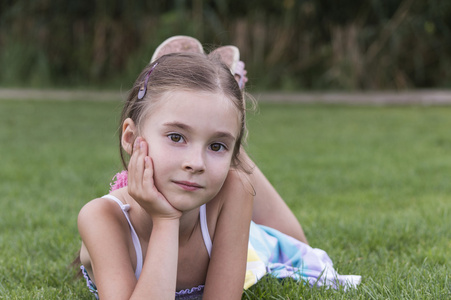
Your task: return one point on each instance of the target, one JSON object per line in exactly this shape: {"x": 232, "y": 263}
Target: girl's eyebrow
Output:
{"x": 178, "y": 125}
{"x": 219, "y": 134}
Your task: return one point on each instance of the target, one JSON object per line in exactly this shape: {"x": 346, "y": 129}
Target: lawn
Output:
{"x": 370, "y": 185}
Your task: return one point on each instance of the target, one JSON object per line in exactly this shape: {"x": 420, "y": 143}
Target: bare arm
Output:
{"x": 159, "y": 275}
{"x": 105, "y": 238}
{"x": 226, "y": 271}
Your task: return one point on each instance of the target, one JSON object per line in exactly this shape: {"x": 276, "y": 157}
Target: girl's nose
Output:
{"x": 194, "y": 161}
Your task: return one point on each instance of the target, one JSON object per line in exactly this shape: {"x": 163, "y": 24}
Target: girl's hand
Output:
{"x": 141, "y": 184}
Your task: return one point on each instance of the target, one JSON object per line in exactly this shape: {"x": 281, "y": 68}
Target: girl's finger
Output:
{"x": 140, "y": 154}
{"x": 148, "y": 167}
{"x": 134, "y": 168}
{"x": 148, "y": 173}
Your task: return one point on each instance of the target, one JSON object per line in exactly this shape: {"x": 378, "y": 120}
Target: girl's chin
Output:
{"x": 185, "y": 204}
{"x": 185, "y": 207}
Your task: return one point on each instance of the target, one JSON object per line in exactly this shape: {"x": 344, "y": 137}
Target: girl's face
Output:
{"x": 191, "y": 137}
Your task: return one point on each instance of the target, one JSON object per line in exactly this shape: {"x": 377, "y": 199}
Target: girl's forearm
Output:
{"x": 159, "y": 274}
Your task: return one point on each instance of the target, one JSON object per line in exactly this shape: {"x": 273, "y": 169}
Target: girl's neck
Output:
{"x": 189, "y": 221}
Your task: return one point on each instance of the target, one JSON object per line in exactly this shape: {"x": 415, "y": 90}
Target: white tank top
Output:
{"x": 135, "y": 239}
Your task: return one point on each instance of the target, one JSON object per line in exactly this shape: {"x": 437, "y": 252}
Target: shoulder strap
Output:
{"x": 204, "y": 228}
{"x": 135, "y": 239}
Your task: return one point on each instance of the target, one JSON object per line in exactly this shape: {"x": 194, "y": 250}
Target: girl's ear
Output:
{"x": 129, "y": 134}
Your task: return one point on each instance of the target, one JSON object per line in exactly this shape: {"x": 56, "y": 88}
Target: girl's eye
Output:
{"x": 176, "y": 138}
{"x": 217, "y": 147}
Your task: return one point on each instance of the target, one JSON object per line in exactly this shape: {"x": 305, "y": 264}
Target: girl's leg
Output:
{"x": 269, "y": 208}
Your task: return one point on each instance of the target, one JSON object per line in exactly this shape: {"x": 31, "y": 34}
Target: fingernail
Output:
{"x": 136, "y": 142}
{"x": 141, "y": 145}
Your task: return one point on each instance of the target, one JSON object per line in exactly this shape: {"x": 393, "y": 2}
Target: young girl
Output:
{"x": 269, "y": 208}
{"x": 182, "y": 226}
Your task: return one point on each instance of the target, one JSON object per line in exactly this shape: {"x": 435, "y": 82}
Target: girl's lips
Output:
{"x": 188, "y": 186}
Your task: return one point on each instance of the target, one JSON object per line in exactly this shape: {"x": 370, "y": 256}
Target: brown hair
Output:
{"x": 183, "y": 71}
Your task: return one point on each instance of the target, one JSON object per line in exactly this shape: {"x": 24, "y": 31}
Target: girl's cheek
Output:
{"x": 155, "y": 149}
{"x": 225, "y": 169}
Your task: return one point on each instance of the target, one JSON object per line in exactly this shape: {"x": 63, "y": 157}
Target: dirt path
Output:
{"x": 424, "y": 97}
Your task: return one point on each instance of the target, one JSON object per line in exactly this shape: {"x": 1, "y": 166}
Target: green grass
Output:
{"x": 370, "y": 185}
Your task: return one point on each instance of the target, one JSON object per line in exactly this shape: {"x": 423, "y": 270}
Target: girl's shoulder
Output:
{"x": 100, "y": 207}
{"x": 237, "y": 183}
{"x": 100, "y": 215}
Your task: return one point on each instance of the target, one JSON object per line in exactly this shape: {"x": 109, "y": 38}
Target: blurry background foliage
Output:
{"x": 286, "y": 44}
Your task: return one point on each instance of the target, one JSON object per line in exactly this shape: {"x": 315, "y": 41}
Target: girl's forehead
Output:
{"x": 211, "y": 107}
{"x": 198, "y": 99}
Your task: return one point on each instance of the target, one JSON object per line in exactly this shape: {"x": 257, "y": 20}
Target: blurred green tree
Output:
{"x": 286, "y": 44}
